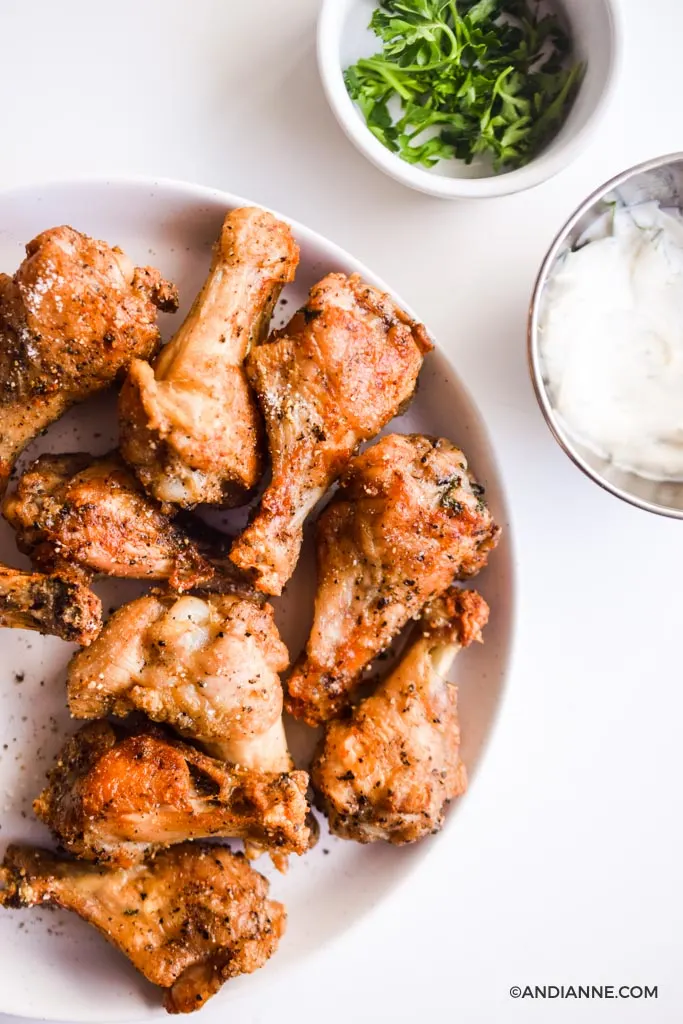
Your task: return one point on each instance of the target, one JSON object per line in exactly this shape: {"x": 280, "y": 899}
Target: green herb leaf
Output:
{"x": 465, "y": 78}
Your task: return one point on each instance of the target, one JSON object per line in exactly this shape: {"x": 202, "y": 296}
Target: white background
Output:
{"x": 566, "y": 863}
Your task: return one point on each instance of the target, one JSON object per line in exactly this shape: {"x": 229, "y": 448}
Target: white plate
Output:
{"x": 53, "y": 965}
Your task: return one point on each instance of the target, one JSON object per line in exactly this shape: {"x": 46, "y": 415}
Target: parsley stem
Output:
{"x": 388, "y": 75}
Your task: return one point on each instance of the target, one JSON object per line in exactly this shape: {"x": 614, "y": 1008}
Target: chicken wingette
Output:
{"x": 188, "y": 920}
{"x": 407, "y": 520}
{"x": 49, "y": 604}
{"x": 72, "y": 318}
{"x": 207, "y": 666}
{"x": 346, "y": 364}
{"x": 390, "y": 769}
{"x": 87, "y": 516}
{"x": 117, "y": 797}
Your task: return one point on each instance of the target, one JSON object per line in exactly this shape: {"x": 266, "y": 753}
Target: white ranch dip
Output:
{"x": 611, "y": 340}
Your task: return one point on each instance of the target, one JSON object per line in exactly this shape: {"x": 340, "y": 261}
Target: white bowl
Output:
{"x": 343, "y": 37}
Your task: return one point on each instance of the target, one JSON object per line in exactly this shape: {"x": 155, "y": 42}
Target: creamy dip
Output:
{"x": 611, "y": 340}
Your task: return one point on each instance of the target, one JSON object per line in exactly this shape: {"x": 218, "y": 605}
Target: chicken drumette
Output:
{"x": 389, "y": 771}
{"x": 71, "y": 319}
{"x": 189, "y": 425}
{"x": 190, "y": 919}
{"x": 49, "y": 604}
{"x": 346, "y": 364}
{"x": 84, "y": 516}
{"x": 406, "y": 521}
{"x": 117, "y": 797}
{"x": 206, "y": 666}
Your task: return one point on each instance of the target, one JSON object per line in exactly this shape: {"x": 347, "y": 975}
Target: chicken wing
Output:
{"x": 77, "y": 514}
{"x": 189, "y": 426}
{"x": 117, "y": 797}
{"x": 214, "y": 545}
{"x": 346, "y": 364}
{"x": 71, "y": 319}
{"x": 188, "y": 920}
{"x": 49, "y": 604}
{"x": 389, "y": 771}
{"x": 206, "y": 666}
{"x": 407, "y": 519}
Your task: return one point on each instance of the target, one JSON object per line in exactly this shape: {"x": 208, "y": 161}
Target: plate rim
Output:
{"x": 232, "y": 200}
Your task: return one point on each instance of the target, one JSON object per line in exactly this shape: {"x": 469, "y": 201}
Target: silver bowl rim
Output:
{"x": 533, "y": 355}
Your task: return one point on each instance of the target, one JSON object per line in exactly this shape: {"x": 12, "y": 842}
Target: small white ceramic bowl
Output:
{"x": 343, "y": 37}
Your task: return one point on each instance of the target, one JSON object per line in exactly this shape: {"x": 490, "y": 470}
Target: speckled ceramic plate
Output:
{"x": 53, "y": 965}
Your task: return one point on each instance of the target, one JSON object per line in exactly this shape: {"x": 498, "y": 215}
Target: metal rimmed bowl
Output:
{"x": 660, "y": 180}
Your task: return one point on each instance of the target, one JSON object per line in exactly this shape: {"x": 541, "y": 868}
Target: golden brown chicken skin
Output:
{"x": 71, "y": 319}
{"x": 406, "y": 521}
{"x": 390, "y": 769}
{"x": 189, "y": 425}
{"x": 207, "y": 666}
{"x": 49, "y": 604}
{"x": 116, "y": 797}
{"x": 346, "y": 364}
{"x": 86, "y": 516}
{"x": 188, "y": 920}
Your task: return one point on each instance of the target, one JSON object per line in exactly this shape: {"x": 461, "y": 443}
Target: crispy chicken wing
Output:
{"x": 389, "y": 771}
{"x": 214, "y": 544}
{"x": 117, "y": 797}
{"x": 333, "y": 378}
{"x": 189, "y": 426}
{"x": 407, "y": 519}
{"x": 49, "y": 604}
{"x": 208, "y": 666}
{"x": 188, "y": 920}
{"x": 77, "y": 513}
{"x": 71, "y": 319}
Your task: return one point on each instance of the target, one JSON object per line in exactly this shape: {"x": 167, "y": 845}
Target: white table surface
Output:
{"x": 565, "y": 866}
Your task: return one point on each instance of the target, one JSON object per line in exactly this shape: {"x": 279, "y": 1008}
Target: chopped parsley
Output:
{"x": 466, "y": 79}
